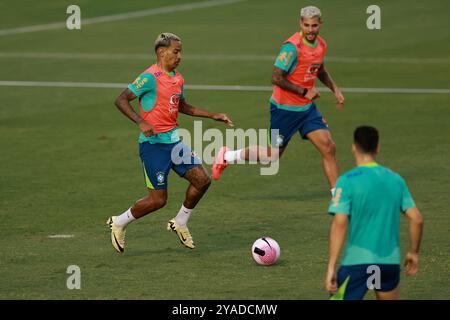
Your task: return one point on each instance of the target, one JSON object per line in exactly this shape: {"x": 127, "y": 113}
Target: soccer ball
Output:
{"x": 265, "y": 251}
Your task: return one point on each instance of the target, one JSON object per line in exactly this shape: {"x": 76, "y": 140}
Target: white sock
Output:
{"x": 332, "y": 191}
{"x": 231, "y": 156}
{"x": 124, "y": 219}
{"x": 183, "y": 216}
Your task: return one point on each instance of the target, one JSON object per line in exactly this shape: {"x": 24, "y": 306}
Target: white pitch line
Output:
{"x": 210, "y": 57}
{"x": 123, "y": 16}
{"x": 212, "y": 87}
{"x": 394, "y": 90}
{"x": 60, "y": 236}
{"x": 321, "y": 89}
{"x": 124, "y": 56}
{"x": 62, "y": 84}
{"x": 388, "y": 60}
{"x": 227, "y": 88}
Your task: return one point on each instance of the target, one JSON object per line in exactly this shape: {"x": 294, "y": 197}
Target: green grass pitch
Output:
{"x": 69, "y": 159}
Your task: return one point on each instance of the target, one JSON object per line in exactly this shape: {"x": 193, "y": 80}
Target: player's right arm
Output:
{"x": 279, "y": 78}
{"x": 143, "y": 84}
{"x": 415, "y": 235}
{"x": 338, "y": 232}
{"x": 340, "y": 209}
{"x": 123, "y": 104}
{"x": 284, "y": 65}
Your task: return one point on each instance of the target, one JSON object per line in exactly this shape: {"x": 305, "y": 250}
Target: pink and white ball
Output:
{"x": 265, "y": 251}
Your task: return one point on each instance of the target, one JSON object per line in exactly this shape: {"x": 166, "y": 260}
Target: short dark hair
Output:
{"x": 366, "y": 139}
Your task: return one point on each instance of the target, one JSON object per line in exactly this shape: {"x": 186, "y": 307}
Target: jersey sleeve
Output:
{"x": 407, "y": 200}
{"x": 287, "y": 58}
{"x": 143, "y": 84}
{"x": 182, "y": 92}
{"x": 341, "y": 201}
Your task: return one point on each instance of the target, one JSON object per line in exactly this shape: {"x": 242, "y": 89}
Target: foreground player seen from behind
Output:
{"x": 161, "y": 96}
{"x": 367, "y": 202}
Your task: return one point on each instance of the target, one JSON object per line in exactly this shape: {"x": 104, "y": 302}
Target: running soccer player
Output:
{"x": 292, "y": 106}
{"x": 367, "y": 201}
{"x": 161, "y": 96}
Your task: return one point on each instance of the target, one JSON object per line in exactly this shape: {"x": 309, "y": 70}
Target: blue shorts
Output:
{"x": 290, "y": 122}
{"x": 358, "y": 276}
{"x": 159, "y": 158}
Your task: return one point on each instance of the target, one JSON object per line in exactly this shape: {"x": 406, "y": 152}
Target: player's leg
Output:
{"x": 390, "y": 282}
{"x": 257, "y": 153}
{"x": 315, "y": 129}
{"x": 323, "y": 142}
{"x": 156, "y": 199}
{"x": 199, "y": 181}
{"x": 388, "y": 295}
{"x": 156, "y": 165}
{"x": 283, "y": 125}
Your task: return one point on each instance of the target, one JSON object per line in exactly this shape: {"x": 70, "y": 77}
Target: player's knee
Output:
{"x": 329, "y": 149}
{"x": 201, "y": 180}
{"x": 205, "y": 182}
{"x": 157, "y": 202}
{"x": 161, "y": 202}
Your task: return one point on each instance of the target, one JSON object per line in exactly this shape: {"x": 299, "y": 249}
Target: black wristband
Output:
{"x": 305, "y": 91}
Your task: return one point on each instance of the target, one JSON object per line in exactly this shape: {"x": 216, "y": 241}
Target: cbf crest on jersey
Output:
{"x": 279, "y": 141}
{"x": 174, "y": 101}
{"x": 160, "y": 177}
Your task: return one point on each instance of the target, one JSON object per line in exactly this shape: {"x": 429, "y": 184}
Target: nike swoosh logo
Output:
{"x": 117, "y": 242}
{"x": 182, "y": 238}
{"x": 265, "y": 240}
{"x": 260, "y": 252}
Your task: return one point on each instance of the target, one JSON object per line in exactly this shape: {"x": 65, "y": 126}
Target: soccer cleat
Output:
{"x": 182, "y": 232}
{"x": 117, "y": 235}
{"x": 219, "y": 163}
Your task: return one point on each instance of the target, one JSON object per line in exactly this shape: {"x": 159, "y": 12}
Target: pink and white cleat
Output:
{"x": 219, "y": 163}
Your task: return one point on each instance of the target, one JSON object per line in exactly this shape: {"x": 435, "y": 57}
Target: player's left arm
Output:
{"x": 338, "y": 233}
{"x": 415, "y": 235}
{"x": 326, "y": 79}
{"x": 189, "y": 109}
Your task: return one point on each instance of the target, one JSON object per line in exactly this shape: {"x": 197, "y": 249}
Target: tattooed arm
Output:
{"x": 123, "y": 104}
{"x": 279, "y": 78}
